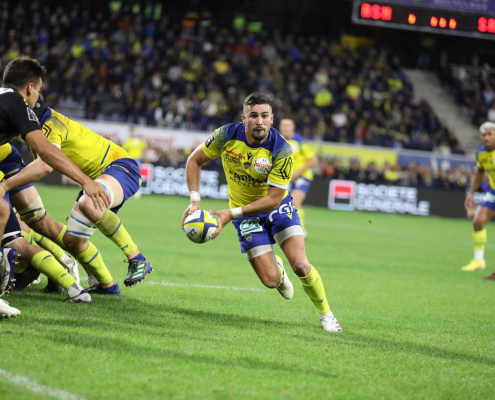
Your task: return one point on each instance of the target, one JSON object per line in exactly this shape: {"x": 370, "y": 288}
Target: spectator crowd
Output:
{"x": 110, "y": 64}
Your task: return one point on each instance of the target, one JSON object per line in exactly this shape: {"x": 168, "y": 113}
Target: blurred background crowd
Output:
{"x": 194, "y": 72}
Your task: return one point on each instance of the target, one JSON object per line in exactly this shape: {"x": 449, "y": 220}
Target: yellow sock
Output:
{"x": 479, "y": 239}
{"x": 91, "y": 260}
{"x": 60, "y": 238}
{"x": 47, "y": 244}
{"x": 113, "y": 229}
{"x": 45, "y": 263}
{"x": 28, "y": 238}
{"x": 313, "y": 286}
{"x": 301, "y": 213}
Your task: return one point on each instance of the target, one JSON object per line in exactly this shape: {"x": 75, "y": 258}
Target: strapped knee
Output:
{"x": 79, "y": 225}
{"x": 33, "y": 213}
{"x": 108, "y": 188}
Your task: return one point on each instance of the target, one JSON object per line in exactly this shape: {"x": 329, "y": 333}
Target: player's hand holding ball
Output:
{"x": 224, "y": 217}
{"x": 200, "y": 226}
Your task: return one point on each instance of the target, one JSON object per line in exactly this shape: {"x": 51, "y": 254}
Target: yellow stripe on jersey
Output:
{"x": 486, "y": 161}
{"x": 91, "y": 152}
{"x": 302, "y": 154}
{"x": 249, "y": 170}
{"x": 5, "y": 151}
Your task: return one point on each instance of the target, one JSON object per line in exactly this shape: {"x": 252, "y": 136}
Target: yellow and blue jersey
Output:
{"x": 302, "y": 154}
{"x": 135, "y": 147}
{"x": 91, "y": 152}
{"x": 5, "y": 151}
{"x": 250, "y": 169}
{"x": 486, "y": 161}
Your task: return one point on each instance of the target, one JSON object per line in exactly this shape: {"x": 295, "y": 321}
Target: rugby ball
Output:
{"x": 200, "y": 226}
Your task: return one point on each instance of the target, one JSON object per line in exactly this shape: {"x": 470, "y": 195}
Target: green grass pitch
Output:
{"x": 415, "y": 326}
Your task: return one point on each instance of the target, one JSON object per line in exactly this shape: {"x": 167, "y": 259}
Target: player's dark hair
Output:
{"x": 257, "y": 98}
{"x": 22, "y": 71}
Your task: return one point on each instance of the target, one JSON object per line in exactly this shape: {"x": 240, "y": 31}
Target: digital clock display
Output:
{"x": 424, "y": 19}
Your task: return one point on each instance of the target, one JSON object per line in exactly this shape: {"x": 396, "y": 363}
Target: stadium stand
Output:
{"x": 108, "y": 66}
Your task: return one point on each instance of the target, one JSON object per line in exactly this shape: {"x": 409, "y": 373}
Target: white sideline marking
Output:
{"x": 242, "y": 289}
{"x": 195, "y": 285}
{"x": 26, "y": 383}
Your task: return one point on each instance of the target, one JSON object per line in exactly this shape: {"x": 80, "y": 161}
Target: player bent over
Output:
{"x": 110, "y": 165}
{"x": 304, "y": 160}
{"x": 27, "y": 201}
{"x": 42, "y": 260}
{"x": 7, "y": 265}
{"x": 258, "y": 164}
{"x": 486, "y": 210}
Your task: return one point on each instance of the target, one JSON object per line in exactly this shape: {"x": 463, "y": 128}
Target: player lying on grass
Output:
{"x": 110, "y": 165}
{"x": 485, "y": 157}
{"x": 258, "y": 164}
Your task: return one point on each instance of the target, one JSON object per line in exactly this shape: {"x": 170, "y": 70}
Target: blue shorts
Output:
{"x": 263, "y": 230}
{"x": 12, "y": 229}
{"x": 488, "y": 199}
{"x": 126, "y": 171}
{"x": 301, "y": 183}
{"x": 12, "y": 165}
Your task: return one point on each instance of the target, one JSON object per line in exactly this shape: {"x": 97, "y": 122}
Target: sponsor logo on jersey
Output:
{"x": 249, "y": 226}
{"x": 210, "y": 140}
{"x": 234, "y": 154}
{"x": 231, "y": 159}
{"x": 284, "y": 209}
{"x": 249, "y": 155}
{"x": 246, "y": 180}
{"x": 262, "y": 165}
{"x": 488, "y": 198}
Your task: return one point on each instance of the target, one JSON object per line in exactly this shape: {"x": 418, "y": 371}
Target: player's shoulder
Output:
{"x": 8, "y": 94}
{"x": 9, "y": 97}
{"x": 298, "y": 138}
{"x": 278, "y": 145}
{"x": 480, "y": 149}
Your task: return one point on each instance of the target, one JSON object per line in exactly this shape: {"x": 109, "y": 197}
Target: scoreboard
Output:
{"x": 426, "y": 19}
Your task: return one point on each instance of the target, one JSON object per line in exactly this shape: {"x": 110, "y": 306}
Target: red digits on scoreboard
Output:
{"x": 434, "y": 21}
{"x": 376, "y": 11}
{"x": 486, "y": 25}
{"x": 452, "y": 23}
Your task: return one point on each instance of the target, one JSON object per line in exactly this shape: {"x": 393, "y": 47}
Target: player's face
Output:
{"x": 488, "y": 138}
{"x": 33, "y": 92}
{"x": 258, "y": 120}
{"x": 287, "y": 128}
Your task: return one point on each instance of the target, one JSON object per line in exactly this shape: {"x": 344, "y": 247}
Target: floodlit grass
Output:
{"x": 415, "y": 326}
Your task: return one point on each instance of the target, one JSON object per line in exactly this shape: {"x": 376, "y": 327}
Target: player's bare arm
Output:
{"x": 270, "y": 202}
{"x": 56, "y": 159}
{"x": 33, "y": 172}
{"x": 478, "y": 178}
{"x": 193, "y": 176}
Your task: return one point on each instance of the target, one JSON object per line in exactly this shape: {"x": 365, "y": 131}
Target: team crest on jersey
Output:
{"x": 249, "y": 237}
{"x": 32, "y": 116}
{"x": 262, "y": 165}
{"x": 246, "y": 164}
